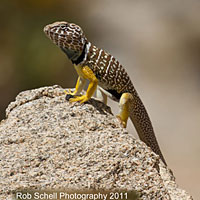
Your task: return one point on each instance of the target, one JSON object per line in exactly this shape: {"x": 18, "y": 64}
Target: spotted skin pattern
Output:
{"x": 111, "y": 76}
{"x": 67, "y": 36}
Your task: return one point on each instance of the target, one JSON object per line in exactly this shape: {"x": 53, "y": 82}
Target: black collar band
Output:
{"x": 81, "y": 57}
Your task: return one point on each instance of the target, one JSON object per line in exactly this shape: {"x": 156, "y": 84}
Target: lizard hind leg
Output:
{"x": 124, "y": 106}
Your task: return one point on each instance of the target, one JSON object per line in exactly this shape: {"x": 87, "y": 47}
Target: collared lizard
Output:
{"x": 104, "y": 71}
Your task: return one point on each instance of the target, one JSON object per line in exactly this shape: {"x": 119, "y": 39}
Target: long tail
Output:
{"x": 143, "y": 125}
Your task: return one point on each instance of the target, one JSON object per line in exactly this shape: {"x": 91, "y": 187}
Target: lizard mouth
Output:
{"x": 46, "y": 29}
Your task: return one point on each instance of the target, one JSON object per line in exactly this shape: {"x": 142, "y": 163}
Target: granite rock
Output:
{"x": 46, "y": 142}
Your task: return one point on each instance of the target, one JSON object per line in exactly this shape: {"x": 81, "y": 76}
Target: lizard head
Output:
{"x": 69, "y": 37}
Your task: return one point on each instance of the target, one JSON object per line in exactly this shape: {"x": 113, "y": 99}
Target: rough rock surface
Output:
{"x": 47, "y": 142}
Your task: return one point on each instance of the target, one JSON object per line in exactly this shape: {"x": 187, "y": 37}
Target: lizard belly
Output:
{"x": 110, "y": 92}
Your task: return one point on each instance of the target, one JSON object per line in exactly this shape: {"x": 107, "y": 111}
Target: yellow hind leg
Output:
{"x": 124, "y": 105}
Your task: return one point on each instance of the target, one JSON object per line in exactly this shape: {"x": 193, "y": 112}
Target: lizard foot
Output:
{"x": 68, "y": 97}
{"x": 82, "y": 99}
{"x": 69, "y": 94}
{"x": 122, "y": 123}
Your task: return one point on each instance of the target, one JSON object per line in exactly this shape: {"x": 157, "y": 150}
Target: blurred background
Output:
{"x": 158, "y": 42}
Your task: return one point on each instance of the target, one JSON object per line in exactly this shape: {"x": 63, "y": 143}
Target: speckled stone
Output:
{"x": 47, "y": 142}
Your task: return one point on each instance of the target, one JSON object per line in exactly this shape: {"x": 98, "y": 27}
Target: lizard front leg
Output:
{"x": 79, "y": 87}
{"x": 87, "y": 73}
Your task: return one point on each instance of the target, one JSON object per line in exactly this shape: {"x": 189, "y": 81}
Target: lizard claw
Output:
{"x": 122, "y": 123}
{"x": 69, "y": 92}
{"x": 82, "y": 99}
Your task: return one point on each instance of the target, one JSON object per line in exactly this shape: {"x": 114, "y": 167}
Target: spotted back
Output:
{"x": 111, "y": 75}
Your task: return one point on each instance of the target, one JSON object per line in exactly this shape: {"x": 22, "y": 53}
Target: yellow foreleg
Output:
{"x": 87, "y": 73}
{"x": 79, "y": 87}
